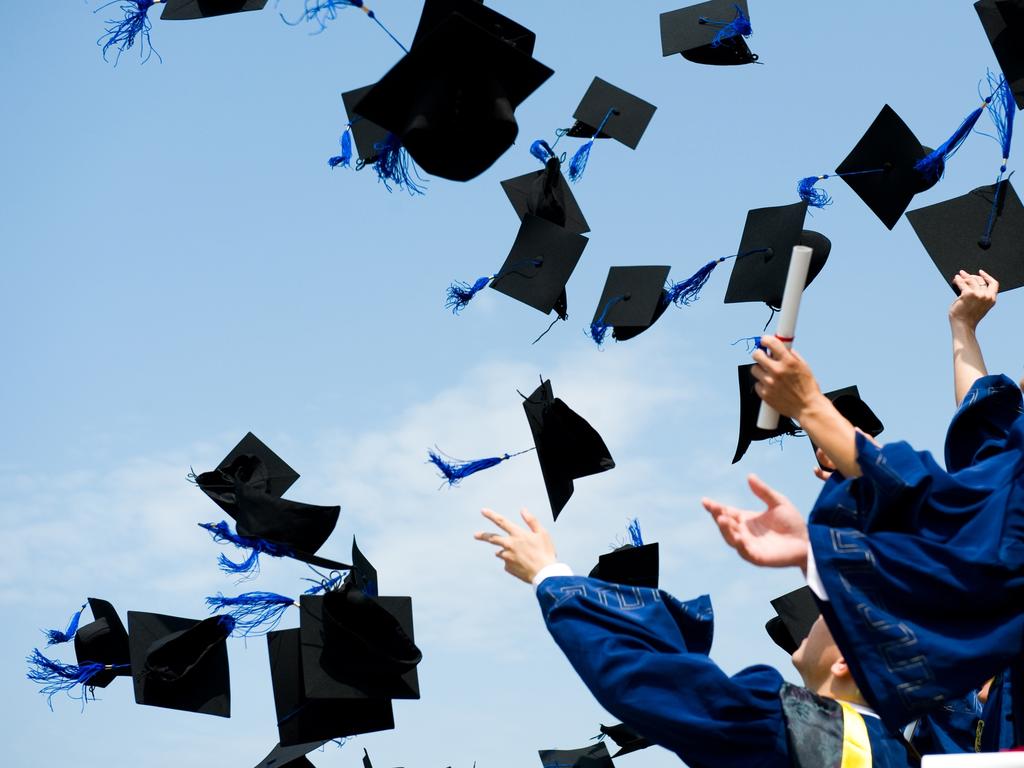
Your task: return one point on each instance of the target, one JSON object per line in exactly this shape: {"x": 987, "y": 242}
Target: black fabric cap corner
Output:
{"x": 633, "y": 298}
{"x": 290, "y": 757}
{"x": 682, "y": 32}
{"x": 797, "y": 611}
{"x": 848, "y": 402}
{"x": 104, "y": 640}
{"x": 629, "y": 119}
{"x": 594, "y": 756}
{"x": 568, "y": 448}
{"x": 366, "y": 134}
{"x": 539, "y": 285}
{"x": 301, "y": 720}
{"x": 180, "y": 10}
{"x": 546, "y": 194}
{"x": 629, "y": 566}
{"x": 750, "y": 407}
{"x": 880, "y": 169}
{"x": 955, "y": 235}
{"x": 1003, "y": 22}
{"x": 626, "y": 739}
{"x": 180, "y": 663}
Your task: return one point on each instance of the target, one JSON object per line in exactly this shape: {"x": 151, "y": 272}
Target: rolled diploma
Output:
{"x": 799, "y": 263}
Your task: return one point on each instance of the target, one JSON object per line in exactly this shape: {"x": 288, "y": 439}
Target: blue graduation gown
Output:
{"x": 951, "y": 728}
{"x": 643, "y": 655}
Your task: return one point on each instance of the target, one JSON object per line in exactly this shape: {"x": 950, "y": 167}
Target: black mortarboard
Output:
{"x": 750, "y": 407}
{"x": 847, "y": 401}
{"x": 1003, "y": 21}
{"x": 629, "y": 565}
{"x": 797, "y": 611}
{"x": 290, "y": 757}
{"x": 956, "y": 231}
{"x": 626, "y": 739}
{"x": 181, "y": 663}
{"x": 540, "y": 285}
{"x": 452, "y": 99}
{"x": 103, "y": 640}
{"x": 766, "y": 247}
{"x": 880, "y": 169}
{"x": 632, "y": 300}
{"x": 629, "y": 118}
{"x": 301, "y": 719}
{"x": 594, "y": 756}
{"x": 546, "y": 194}
{"x": 684, "y": 32}
{"x": 251, "y": 462}
{"x": 365, "y": 133}
{"x": 363, "y": 574}
{"x": 358, "y": 647}
{"x": 568, "y": 448}
{"x": 201, "y": 9}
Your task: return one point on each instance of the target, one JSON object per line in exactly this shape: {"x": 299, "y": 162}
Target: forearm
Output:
{"x": 831, "y": 432}
{"x": 968, "y": 362}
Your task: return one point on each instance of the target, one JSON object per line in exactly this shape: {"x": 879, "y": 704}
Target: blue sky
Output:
{"x": 180, "y": 267}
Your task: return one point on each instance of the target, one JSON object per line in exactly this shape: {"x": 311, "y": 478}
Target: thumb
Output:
{"x": 764, "y": 492}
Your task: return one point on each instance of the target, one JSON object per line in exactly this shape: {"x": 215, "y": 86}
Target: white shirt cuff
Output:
{"x": 555, "y": 569}
{"x": 813, "y": 577}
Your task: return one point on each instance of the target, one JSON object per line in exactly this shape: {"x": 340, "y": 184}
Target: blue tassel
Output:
{"x": 345, "y": 158}
{"x": 933, "y": 165}
{"x": 634, "y": 533}
{"x": 1002, "y": 110}
{"x": 325, "y": 585}
{"x": 809, "y": 193}
{"x": 53, "y": 677}
{"x": 460, "y": 294}
{"x": 542, "y": 151}
{"x": 687, "y": 291}
{"x": 122, "y": 34}
{"x": 252, "y": 613}
{"x": 322, "y": 11}
{"x": 56, "y": 637}
{"x": 739, "y": 26}
{"x": 578, "y": 164}
{"x": 393, "y": 165}
{"x": 454, "y": 472}
{"x": 598, "y": 328}
{"x": 222, "y": 532}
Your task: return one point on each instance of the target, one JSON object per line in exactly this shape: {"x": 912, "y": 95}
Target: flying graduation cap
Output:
{"x": 796, "y": 613}
{"x": 451, "y": 99}
{"x": 546, "y": 194}
{"x": 633, "y": 564}
{"x": 632, "y": 301}
{"x": 709, "y": 33}
{"x": 291, "y": 757}
{"x": 179, "y": 663}
{"x": 1003, "y": 21}
{"x": 122, "y": 34}
{"x": 625, "y": 738}
{"x": 594, "y": 756}
{"x": 849, "y": 403}
{"x": 750, "y": 407}
{"x": 248, "y": 484}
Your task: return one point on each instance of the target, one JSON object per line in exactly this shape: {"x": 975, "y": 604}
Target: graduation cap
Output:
{"x": 358, "y": 647}
{"x": 248, "y": 485}
{"x": 632, "y": 301}
{"x": 625, "y": 738}
{"x": 607, "y": 112}
{"x": 633, "y": 565}
{"x": 304, "y": 720}
{"x": 546, "y": 194}
{"x": 451, "y": 100}
{"x": 797, "y": 611}
{"x": 594, "y": 756}
{"x": 766, "y": 247}
{"x": 181, "y": 663}
{"x": 291, "y": 757}
{"x": 709, "y": 33}
{"x": 1003, "y": 21}
{"x": 536, "y": 271}
{"x": 366, "y": 134}
{"x": 568, "y": 448}
{"x": 983, "y": 229}
{"x": 175, "y": 10}
{"x": 750, "y": 407}
{"x": 848, "y": 402}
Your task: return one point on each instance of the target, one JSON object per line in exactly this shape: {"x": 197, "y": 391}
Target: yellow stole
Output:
{"x": 856, "y": 744}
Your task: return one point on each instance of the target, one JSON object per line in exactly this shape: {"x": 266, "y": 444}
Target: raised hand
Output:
{"x": 775, "y": 537}
{"x": 525, "y": 551}
{"x": 977, "y": 296}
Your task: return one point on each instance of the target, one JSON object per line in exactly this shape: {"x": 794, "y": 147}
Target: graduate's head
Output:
{"x": 822, "y": 666}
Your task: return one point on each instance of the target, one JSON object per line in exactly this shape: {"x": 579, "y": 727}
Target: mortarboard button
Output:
{"x": 103, "y": 641}
{"x": 302, "y": 719}
{"x": 632, "y": 300}
{"x": 546, "y": 194}
{"x": 976, "y": 231}
{"x": 620, "y": 115}
{"x": 797, "y": 611}
{"x": 766, "y": 247}
{"x": 708, "y": 33}
{"x": 568, "y": 448}
{"x": 181, "y": 663}
{"x": 750, "y": 407}
{"x": 176, "y": 10}
{"x": 1003, "y": 21}
{"x": 452, "y": 99}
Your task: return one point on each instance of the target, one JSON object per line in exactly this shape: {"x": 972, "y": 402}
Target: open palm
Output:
{"x": 775, "y": 537}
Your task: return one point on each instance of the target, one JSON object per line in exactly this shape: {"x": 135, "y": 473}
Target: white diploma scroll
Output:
{"x": 984, "y": 760}
{"x": 796, "y": 280}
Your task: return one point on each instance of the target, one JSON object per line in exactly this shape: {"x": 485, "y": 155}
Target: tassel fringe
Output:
{"x": 636, "y": 537}
{"x": 345, "y": 158}
{"x": 251, "y": 613}
{"x": 221, "y": 533}
{"x": 393, "y": 166}
{"x": 53, "y": 677}
{"x": 56, "y": 637}
{"x": 122, "y": 34}
{"x": 460, "y": 294}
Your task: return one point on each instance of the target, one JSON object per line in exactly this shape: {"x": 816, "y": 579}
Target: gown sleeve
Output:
{"x": 643, "y": 654}
{"x": 982, "y": 424}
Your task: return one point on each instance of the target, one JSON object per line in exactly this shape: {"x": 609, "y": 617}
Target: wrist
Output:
{"x": 813, "y": 408}
{"x": 962, "y": 326}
